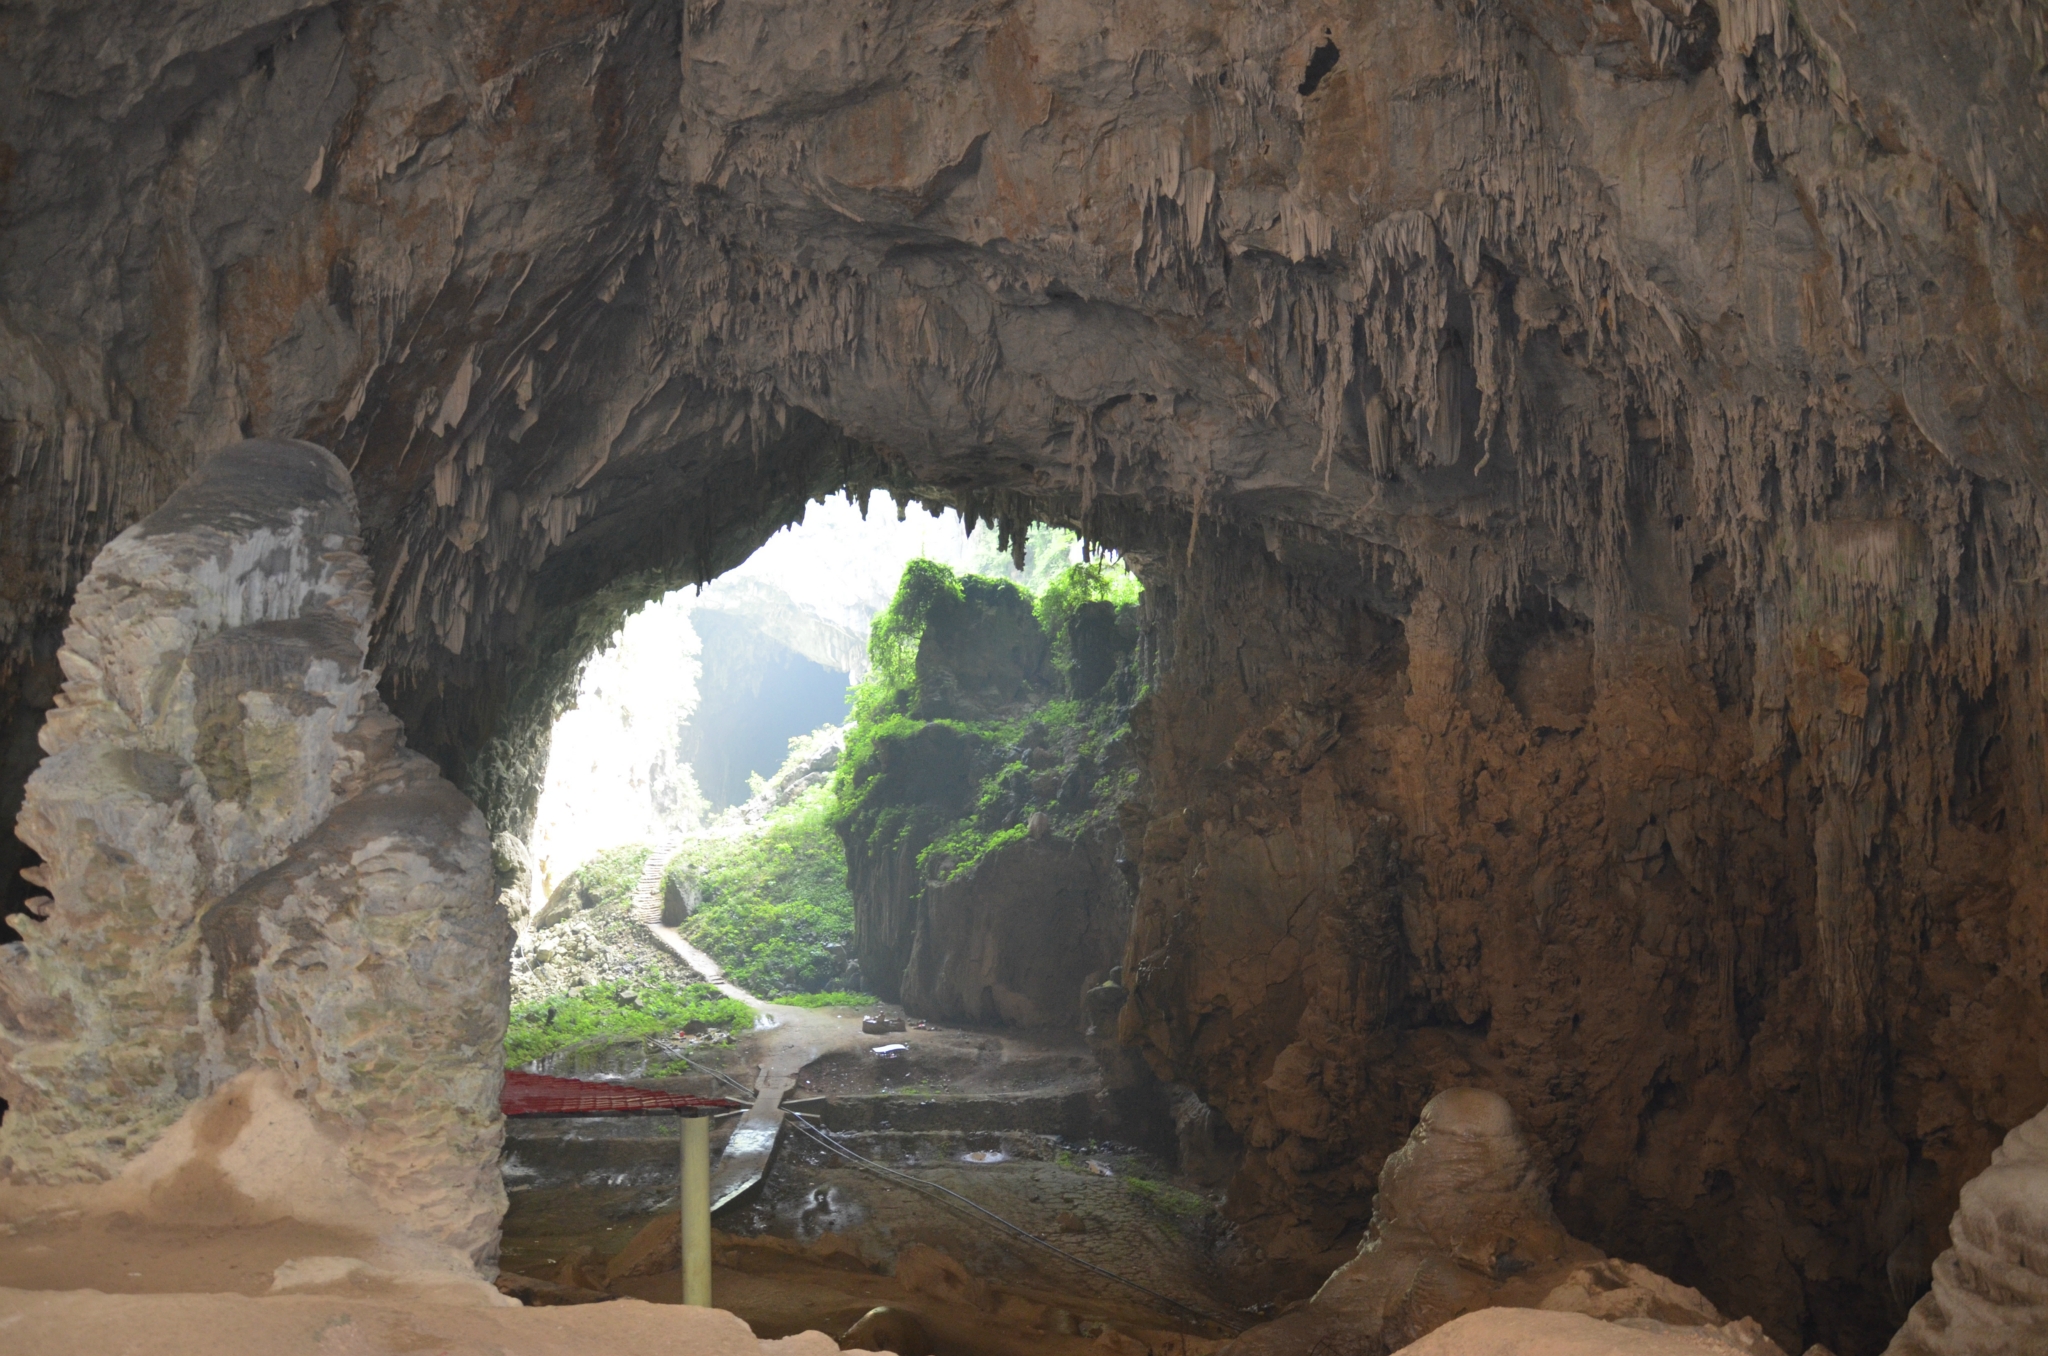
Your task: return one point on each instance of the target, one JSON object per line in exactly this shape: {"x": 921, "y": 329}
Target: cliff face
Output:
{"x": 1577, "y": 869}
{"x": 1588, "y": 457}
{"x": 981, "y": 812}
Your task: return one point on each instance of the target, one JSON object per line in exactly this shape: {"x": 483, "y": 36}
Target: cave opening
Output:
{"x": 1585, "y": 700}
{"x": 1321, "y": 62}
{"x": 671, "y": 940}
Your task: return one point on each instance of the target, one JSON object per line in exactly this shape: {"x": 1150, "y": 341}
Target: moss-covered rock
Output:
{"x": 978, "y": 807}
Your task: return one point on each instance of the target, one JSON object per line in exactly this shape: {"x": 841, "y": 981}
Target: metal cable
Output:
{"x": 917, "y": 1183}
{"x": 825, "y": 1138}
{"x": 722, "y": 1077}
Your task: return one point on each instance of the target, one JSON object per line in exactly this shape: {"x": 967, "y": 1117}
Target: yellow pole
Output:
{"x": 696, "y": 1204}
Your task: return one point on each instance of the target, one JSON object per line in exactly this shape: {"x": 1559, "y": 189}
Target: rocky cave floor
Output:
{"x": 593, "y": 947}
{"x": 1009, "y": 1122}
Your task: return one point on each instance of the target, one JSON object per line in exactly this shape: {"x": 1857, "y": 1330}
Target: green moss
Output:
{"x": 836, "y": 999}
{"x": 951, "y": 792}
{"x": 891, "y": 685}
{"x": 1170, "y": 1199}
{"x": 542, "y": 1027}
{"x": 965, "y": 846}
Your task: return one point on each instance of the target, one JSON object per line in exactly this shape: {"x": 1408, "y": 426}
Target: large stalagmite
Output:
{"x": 269, "y": 979}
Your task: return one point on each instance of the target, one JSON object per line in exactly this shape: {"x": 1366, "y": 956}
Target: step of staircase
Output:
{"x": 646, "y": 905}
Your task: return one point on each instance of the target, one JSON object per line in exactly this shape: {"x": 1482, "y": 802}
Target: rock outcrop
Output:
{"x": 1990, "y": 1295}
{"x": 268, "y": 923}
{"x": 1013, "y": 939}
{"x": 1463, "y": 1222}
{"x": 984, "y": 866}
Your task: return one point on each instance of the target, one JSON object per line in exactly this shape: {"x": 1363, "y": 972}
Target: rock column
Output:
{"x": 255, "y": 891}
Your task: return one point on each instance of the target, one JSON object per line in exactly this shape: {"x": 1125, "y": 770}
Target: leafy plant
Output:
{"x": 1094, "y": 581}
{"x": 893, "y": 639}
{"x": 546, "y": 1025}
{"x": 773, "y": 903}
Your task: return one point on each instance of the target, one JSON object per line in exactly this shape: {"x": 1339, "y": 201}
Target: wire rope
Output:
{"x": 919, "y": 1184}
{"x": 826, "y": 1139}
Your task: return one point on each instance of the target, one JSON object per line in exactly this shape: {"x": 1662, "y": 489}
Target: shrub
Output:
{"x": 1094, "y": 581}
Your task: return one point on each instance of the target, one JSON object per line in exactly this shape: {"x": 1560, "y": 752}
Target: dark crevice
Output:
{"x": 1320, "y": 63}
{"x": 19, "y": 898}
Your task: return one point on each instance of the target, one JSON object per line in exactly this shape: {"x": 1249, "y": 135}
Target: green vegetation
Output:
{"x": 950, "y": 792}
{"x": 892, "y": 640}
{"x": 1170, "y": 1199}
{"x": 838, "y": 998}
{"x": 542, "y": 1027}
{"x": 1047, "y": 551}
{"x": 772, "y": 902}
{"x": 609, "y": 877}
{"x": 605, "y": 881}
{"x": 1095, "y": 581}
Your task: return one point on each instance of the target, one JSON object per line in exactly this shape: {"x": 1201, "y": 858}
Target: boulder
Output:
{"x": 1463, "y": 1223}
{"x": 1990, "y": 1294}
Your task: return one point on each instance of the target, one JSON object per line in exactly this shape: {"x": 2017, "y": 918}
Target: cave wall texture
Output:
{"x": 1587, "y": 457}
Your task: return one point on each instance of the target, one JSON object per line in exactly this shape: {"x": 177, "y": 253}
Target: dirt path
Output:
{"x": 785, "y": 1040}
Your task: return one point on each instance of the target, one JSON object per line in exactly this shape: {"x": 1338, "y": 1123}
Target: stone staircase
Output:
{"x": 645, "y": 909}
{"x": 646, "y": 905}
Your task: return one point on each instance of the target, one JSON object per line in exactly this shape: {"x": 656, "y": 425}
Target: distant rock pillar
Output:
{"x": 256, "y": 892}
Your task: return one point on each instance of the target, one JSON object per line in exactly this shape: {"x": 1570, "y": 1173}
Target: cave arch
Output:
{"x": 563, "y": 295}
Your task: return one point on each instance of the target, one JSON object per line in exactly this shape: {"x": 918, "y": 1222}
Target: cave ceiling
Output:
{"x": 1520, "y": 291}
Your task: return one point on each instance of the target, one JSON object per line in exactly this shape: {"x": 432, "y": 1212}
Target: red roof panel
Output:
{"x": 528, "y": 1094}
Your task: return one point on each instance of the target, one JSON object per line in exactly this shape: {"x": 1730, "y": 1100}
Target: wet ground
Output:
{"x": 1004, "y": 1121}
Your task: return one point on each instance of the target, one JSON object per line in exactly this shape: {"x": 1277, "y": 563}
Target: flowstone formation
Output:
{"x": 1587, "y": 457}
{"x": 1392, "y": 849}
{"x": 269, "y": 978}
{"x": 1990, "y": 1295}
{"x": 1462, "y": 1222}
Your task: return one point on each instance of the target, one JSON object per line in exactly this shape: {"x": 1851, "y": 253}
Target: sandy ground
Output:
{"x": 120, "y": 1256}
{"x": 58, "y": 1323}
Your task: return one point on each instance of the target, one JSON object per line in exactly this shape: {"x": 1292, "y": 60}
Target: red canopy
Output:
{"x": 528, "y": 1094}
